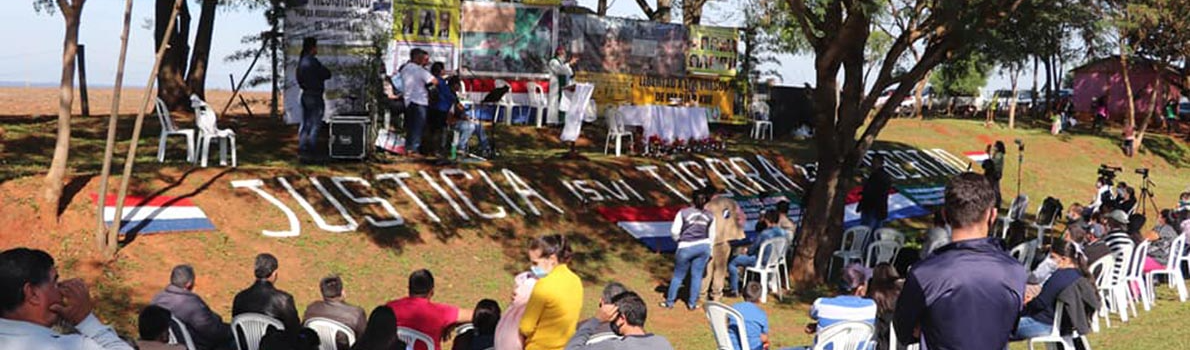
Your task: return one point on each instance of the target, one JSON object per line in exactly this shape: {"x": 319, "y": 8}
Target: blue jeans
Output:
{"x": 693, "y": 261}
{"x": 873, "y": 222}
{"x": 1029, "y": 328}
{"x": 733, "y": 272}
{"x": 312, "y": 109}
{"x": 415, "y": 123}
{"x": 465, "y": 129}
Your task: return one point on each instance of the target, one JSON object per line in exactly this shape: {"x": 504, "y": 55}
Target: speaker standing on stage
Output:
{"x": 311, "y": 76}
{"x": 560, "y": 75}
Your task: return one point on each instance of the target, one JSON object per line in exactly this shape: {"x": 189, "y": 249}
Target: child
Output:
{"x": 756, "y": 322}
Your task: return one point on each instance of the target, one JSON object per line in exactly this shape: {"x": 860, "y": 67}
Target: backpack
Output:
{"x": 399, "y": 82}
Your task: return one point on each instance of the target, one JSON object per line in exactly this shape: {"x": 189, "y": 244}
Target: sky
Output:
{"x": 34, "y": 50}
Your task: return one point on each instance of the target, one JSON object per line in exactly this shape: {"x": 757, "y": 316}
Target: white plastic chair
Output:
{"x": 890, "y": 234}
{"x": 1102, "y": 270}
{"x": 851, "y": 248}
{"x": 881, "y": 252}
{"x": 849, "y": 335}
{"x": 601, "y": 337}
{"x": 505, "y": 103}
{"x": 767, "y": 265}
{"x": 169, "y": 128}
{"x": 180, "y": 327}
{"x": 328, "y": 330}
{"x": 411, "y": 336}
{"x": 1015, "y": 211}
{"x": 1176, "y": 280}
{"x": 760, "y": 122}
{"x": 892, "y": 339}
{"x": 1135, "y": 277}
{"x": 1056, "y": 337}
{"x": 208, "y": 131}
{"x": 253, "y": 326}
{"x": 1115, "y": 287}
{"x": 718, "y": 314}
{"x": 1044, "y": 227}
{"x": 1024, "y": 252}
{"x": 538, "y": 101}
{"x": 616, "y": 130}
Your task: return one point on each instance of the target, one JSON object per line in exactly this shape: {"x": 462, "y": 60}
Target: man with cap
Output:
{"x": 1117, "y": 238}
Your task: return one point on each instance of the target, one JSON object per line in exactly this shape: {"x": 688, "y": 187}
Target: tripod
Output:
{"x": 1020, "y": 165}
{"x": 1146, "y": 196}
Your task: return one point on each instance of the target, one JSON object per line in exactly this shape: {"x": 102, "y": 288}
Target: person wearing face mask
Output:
{"x": 32, "y": 300}
{"x": 1037, "y": 318}
{"x": 557, "y": 299}
{"x": 626, "y": 315}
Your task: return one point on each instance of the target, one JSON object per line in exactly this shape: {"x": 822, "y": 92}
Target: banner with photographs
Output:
{"x": 507, "y": 38}
{"x": 619, "y": 45}
{"x": 347, "y": 33}
{"x": 713, "y": 51}
{"x": 714, "y": 94}
{"x": 426, "y": 21}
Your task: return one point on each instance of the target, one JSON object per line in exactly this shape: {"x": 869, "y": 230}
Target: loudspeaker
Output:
{"x": 349, "y": 138}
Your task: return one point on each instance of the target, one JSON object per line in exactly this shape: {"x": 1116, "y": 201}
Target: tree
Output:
{"x": 101, "y": 233}
{"x": 660, "y": 14}
{"x": 184, "y": 70}
{"x": 196, "y": 77}
{"x": 963, "y": 75}
{"x": 72, "y": 11}
{"x": 836, "y": 32}
{"x": 1155, "y": 33}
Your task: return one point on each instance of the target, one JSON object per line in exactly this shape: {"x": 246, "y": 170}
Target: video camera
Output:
{"x": 1108, "y": 172}
{"x": 1143, "y": 172}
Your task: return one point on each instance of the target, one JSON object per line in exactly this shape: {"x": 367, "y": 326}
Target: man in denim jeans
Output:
{"x": 415, "y": 77}
{"x": 311, "y": 76}
{"x": 466, "y": 124}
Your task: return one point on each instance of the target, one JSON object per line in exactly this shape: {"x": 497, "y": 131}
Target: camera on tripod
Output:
{"x": 1109, "y": 172}
{"x": 1143, "y": 172}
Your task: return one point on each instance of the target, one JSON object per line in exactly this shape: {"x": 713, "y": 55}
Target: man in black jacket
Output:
{"x": 263, "y": 298}
{"x": 207, "y": 328}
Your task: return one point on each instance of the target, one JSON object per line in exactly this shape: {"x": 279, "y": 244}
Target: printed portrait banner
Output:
{"x": 436, "y": 23}
{"x": 507, "y": 38}
{"x": 345, "y": 31}
{"x": 444, "y": 53}
{"x": 713, "y": 51}
{"x": 619, "y": 45}
{"x": 715, "y": 95}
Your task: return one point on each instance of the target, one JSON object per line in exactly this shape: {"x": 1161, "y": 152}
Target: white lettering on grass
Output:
{"x": 318, "y": 219}
{"x": 779, "y": 177}
{"x": 525, "y": 192}
{"x": 399, "y": 178}
{"x": 492, "y": 184}
{"x": 454, "y": 205}
{"x": 396, "y": 220}
{"x": 686, "y": 165}
{"x": 255, "y": 185}
{"x": 652, "y": 171}
{"x": 730, "y": 180}
{"x": 445, "y": 174}
{"x": 581, "y": 186}
{"x": 751, "y": 174}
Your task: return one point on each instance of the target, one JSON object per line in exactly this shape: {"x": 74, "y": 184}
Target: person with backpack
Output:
{"x": 413, "y": 85}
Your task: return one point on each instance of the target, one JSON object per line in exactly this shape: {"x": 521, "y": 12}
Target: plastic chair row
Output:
{"x": 205, "y": 120}
{"x": 852, "y": 335}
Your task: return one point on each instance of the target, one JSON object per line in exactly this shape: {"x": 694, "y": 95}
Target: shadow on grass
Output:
{"x": 1173, "y": 152}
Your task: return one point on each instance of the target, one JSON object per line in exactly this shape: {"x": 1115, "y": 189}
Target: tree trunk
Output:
{"x": 664, "y": 11}
{"x": 172, "y": 77}
{"x": 601, "y": 10}
{"x": 109, "y": 148}
{"x": 1033, "y": 102}
{"x": 1154, "y": 106}
{"x": 1124, "y": 67}
{"x": 692, "y": 12}
{"x": 52, "y": 186}
{"x": 112, "y": 239}
{"x": 918, "y": 96}
{"x": 196, "y": 78}
{"x": 1012, "y": 99}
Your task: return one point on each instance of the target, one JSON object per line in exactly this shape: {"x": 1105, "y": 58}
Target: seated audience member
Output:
{"x": 1184, "y": 202}
{"x": 849, "y": 306}
{"x": 153, "y": 324}
{"x": 299, "y": 339}
{"x": 508, "y": 333}
{"x": 263, "y": 298}
{"x": 750, "y": 257}
{"x": 968, "y": 293}
{"x": 626, "y": 313}
{"x": 1159, "y": 246}
{"x": 1125, "y": 197}
{"x": 381, "y": 333}
{"x": 783, "y": 221}
{"x": 483, "y": 335}
{"x": 207, "y": 329}
{"x": 1135, "y": 227}
{"x": 557, "y": 300}
{"x": 419, "y": 313}
{"x": 610, "y": 291}
{"x": 883, "y": 289}
{"x": 1037, "y": 319}
{"x": 32, "y": 300}
{"x": 1118, "y": 241}
{"x": 938, "y": 235}
{"x": 334, "y": 307}
{"x": 756, "y": 321}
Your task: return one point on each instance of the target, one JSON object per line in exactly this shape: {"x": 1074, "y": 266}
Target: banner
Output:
{"x": 507, "y": 37}
{"x": 712, "y": 51}
{"x": 346, "y": 32}
{"x": 619, "y": 45}
{"x": 715, "y": 95}
{"x": 426, "y": 21}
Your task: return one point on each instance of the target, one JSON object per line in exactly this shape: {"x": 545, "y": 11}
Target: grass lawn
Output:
{"x": 473, "y": 260}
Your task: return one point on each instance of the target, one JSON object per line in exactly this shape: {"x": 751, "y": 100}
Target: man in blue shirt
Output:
{"x": 440, "y": 109}
{"x": 770, "y": 219}
{"x": 756, "y": 322}
{"x": 311, "y": 77}
{"x": 967, "y": 295}
{"x": 847, "y": 307}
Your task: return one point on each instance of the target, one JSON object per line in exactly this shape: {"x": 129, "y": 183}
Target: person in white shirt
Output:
{"x": 32, "y": 299}
{"x": 414, "y": 78}
{"x": 560, "y": 76}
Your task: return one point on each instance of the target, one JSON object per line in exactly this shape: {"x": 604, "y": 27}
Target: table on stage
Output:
{"x": 668, "y": 123}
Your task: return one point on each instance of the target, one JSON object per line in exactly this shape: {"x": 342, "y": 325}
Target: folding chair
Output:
{"x": 169, "y": 128}
{"x": 849, "y": 335}
{"x": 1174, "y": 273}
{"x": 249, "y": 328}
{"x": 411, "y": 336}
{"x": 1056, "y": 337}
{"x": 718, "y": 314}
{"x": 328, "y": 331}
{"x": 178, "y": 328}
{"x": 852, "y": 247}
{"x": 208, "y": 131}
{"x": 768, "y": 262}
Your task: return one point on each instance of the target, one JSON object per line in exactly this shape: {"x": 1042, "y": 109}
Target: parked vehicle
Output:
{"x": 1184, "y": 110}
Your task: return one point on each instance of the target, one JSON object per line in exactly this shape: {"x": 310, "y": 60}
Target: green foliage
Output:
{"x": 962, "y": 76}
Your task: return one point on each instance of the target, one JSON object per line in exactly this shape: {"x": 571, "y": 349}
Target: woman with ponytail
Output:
{"x": 557, "y": 300}
{"x": 1037, "y": 318}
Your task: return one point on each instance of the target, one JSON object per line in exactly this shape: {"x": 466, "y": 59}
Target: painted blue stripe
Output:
{"x": 162, "y": 225}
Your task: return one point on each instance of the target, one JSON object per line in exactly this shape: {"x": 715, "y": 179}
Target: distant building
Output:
{"x": 1103, "y": 78}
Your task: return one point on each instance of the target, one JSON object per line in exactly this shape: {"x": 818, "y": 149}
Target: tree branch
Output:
{"x": 644, "y": 6}
{"x": 806, "y": 22}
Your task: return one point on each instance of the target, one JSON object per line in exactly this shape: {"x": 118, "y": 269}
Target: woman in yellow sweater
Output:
{"x": 557, "y": 300}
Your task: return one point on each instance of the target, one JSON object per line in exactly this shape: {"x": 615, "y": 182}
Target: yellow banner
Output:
{"x": 436, "y": 23}
{"x": 714, "y": 94}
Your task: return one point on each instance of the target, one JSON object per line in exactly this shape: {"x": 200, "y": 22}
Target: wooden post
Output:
{"x": 81, "y": 63}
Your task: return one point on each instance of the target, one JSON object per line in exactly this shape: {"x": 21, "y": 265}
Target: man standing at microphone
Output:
{"x": 311, "y": 77}
{"x": 560, "y": 75}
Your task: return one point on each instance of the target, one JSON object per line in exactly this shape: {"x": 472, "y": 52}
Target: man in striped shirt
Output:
{"x": 1118, "y": 241}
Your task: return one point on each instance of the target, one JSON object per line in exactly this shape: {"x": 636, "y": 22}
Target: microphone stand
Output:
{"x": 1020, "y": 160}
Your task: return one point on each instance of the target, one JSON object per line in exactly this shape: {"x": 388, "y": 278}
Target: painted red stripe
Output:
{"x": 975, "y": 153}
{"x": 854, "y": 195}
{"x": 135, "y": 201}
{"x": 618, "y": 214}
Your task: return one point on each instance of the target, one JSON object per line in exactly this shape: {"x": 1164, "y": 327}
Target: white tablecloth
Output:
{"x": 668, "y": 123}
